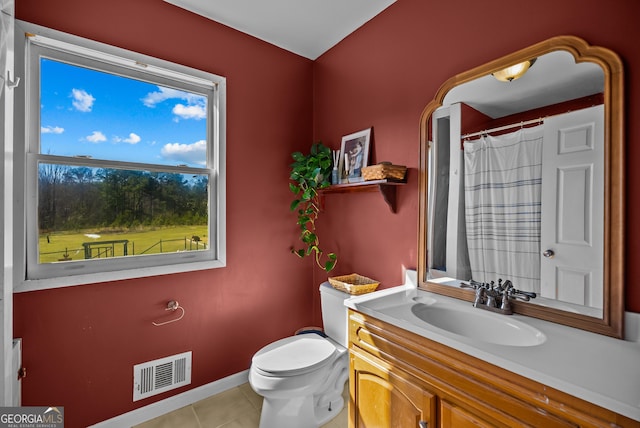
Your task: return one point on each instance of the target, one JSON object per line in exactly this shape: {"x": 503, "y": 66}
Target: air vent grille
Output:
{"x": 164, "y": 374}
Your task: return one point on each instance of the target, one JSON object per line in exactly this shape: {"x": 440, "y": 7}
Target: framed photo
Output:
{"x": 354, "y": 154}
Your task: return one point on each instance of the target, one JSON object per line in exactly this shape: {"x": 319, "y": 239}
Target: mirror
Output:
{"x": 523, "y": 180}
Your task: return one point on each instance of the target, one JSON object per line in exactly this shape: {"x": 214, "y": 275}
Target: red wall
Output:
{"x": 80, "y": 343}
{"x": 384, "y": 74}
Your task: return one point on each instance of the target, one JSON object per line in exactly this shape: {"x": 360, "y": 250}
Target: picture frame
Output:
{"x": 354, "y": 155}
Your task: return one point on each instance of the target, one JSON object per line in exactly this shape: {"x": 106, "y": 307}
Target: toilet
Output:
{"x": 302, "y": 377}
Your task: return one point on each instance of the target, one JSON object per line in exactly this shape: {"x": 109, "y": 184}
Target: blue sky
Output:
{"x": 91, "y": 113}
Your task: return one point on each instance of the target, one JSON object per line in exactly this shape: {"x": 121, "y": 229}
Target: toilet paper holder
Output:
{"x": 172, "y": 305}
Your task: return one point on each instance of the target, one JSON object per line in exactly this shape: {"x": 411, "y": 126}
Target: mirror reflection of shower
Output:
{"x": 504, "y": 188}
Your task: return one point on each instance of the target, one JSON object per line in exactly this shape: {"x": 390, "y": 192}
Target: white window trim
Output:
{"x": 27, "y": 35}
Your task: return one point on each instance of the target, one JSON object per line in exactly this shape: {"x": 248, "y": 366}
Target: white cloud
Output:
{"x": 190, "y": 112}
{"x": 96, "y": 137}
{"x": 51, "y": 130}
{"x": 163, "y": 94}
{"x": 186, "y": 153}
{"x": 132, "y": 139}
{"x": 82, "y": 100}
{"x": 195, "y": 108}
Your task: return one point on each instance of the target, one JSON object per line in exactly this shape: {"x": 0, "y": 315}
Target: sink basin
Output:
{"x": 478, "y": 324}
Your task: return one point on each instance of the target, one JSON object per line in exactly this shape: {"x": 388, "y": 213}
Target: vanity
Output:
{"x": 547, "y": 219}
{"x": 408, "y": 372}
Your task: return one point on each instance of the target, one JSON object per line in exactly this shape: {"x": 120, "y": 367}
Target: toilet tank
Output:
{"x": 334, "y": 313}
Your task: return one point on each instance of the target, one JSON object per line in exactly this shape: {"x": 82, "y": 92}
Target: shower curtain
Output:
{"x": 503, "y": 176}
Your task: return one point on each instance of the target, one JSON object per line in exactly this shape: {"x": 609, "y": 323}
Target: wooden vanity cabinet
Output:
{"x": 387, "y": 397}
{"x": 402, "y": 380}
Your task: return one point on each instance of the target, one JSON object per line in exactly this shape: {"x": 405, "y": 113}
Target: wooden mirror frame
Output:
{"x": 612, "y": 321}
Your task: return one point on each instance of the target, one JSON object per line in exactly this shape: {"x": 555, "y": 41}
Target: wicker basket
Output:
{"x": 354, "y": 283}
{"x": 384, "y": 170}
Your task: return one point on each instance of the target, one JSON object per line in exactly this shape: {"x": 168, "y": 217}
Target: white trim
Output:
{"x": 113, "y": 276}
{"x": 116, "y": 59}
{"x": 176, "y": 402}
{"x": 47, "y": 37}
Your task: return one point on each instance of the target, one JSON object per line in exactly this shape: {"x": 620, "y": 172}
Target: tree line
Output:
{"x": 76, "y": 198}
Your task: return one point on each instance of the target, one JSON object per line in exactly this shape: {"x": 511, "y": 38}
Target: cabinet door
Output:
{"x": 385, "y": 397}
{"x": 454, "y": 416}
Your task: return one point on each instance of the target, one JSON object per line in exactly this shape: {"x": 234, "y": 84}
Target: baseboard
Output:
{"x": 175, "y": 402}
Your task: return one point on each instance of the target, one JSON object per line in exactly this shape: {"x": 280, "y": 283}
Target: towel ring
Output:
{"x": 172, "y": 305}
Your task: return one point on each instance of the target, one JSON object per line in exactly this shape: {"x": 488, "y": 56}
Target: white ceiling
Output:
{"x": 306, "y": 27}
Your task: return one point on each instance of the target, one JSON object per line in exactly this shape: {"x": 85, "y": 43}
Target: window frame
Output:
{"x": 40, "y": 42}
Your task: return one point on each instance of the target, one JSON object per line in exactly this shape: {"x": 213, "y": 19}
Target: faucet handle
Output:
{"x": 472, "y": 284}
{"x": 477, "y": 284}
{"x": 529, "y": 294}
{"x": 522, "y": 295}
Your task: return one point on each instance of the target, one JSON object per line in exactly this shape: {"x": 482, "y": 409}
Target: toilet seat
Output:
{"x": 294, "y": 355}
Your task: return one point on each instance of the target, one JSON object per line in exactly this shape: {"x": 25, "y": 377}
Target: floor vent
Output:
{"x": 154, "y": 377}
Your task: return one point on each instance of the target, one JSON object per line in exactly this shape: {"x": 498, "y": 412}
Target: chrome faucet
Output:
{"x": 496, "y": 298}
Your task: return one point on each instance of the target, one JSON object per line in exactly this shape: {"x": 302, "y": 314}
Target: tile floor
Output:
{"x": 238, "y": 407}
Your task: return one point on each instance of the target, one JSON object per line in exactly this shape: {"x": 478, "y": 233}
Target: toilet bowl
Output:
{"x": 301, "y": 378}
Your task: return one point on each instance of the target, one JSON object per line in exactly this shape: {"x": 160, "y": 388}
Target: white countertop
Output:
{"x": 599, "y": 369}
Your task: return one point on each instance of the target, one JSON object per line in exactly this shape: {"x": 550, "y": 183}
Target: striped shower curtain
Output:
{"x": 503, "y": 176}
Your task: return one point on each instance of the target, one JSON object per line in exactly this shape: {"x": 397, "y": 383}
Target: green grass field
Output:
{"x": 53, "y": 246}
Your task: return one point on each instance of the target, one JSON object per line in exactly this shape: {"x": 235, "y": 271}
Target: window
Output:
{"x": 123, "y": 164}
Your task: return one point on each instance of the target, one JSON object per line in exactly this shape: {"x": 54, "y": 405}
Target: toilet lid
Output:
{"x": 294, "y": 355}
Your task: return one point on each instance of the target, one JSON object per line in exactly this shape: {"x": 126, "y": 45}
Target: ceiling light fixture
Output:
{"x": 513, "y": 72}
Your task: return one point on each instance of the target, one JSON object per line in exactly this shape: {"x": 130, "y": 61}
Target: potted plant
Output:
{"x": 310, "y": 173}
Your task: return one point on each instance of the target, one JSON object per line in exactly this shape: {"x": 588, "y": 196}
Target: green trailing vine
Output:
{"x": 310, "y": 173}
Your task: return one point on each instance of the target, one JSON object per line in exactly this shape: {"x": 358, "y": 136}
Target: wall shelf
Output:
{"x": 386, "y": 187}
